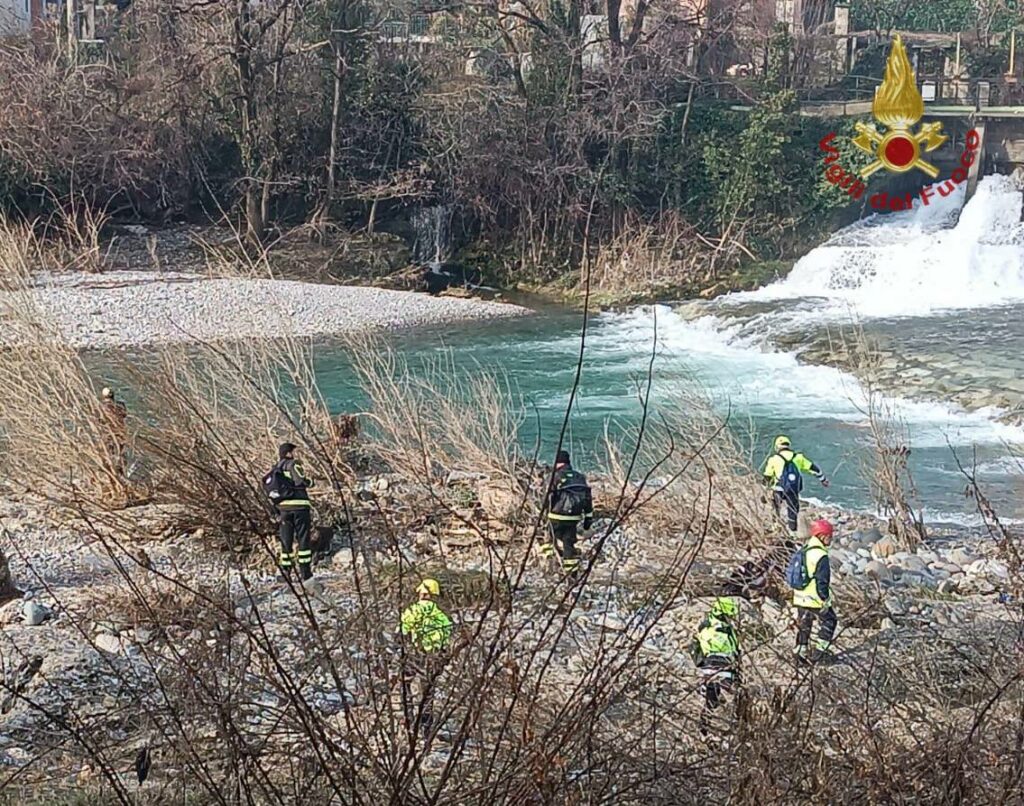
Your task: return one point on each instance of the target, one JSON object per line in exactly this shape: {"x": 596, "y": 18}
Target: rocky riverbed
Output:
{"x": 128, "y": 309}
{"x": 96, "y": 625}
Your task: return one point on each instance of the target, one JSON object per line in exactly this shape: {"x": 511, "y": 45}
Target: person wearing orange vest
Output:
{"x": 814, "y": 601}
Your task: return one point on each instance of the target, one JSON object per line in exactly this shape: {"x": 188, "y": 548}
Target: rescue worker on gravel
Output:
{"x": 570, "y": 502}
{"x": 295, "y": 509}
{"x": 784, "y": 471}
{"x": 429, "y": 631}
{"x": 813, "y": 602}
{"x": 716, "y": 651}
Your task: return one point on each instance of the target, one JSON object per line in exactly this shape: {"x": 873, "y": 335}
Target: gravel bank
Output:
{"x": 125, "y": 309}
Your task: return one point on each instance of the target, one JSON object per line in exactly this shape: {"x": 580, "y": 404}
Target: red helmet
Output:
{"x": 821, "y": 528}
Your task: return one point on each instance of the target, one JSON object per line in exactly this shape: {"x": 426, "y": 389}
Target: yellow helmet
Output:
{"x": 429, "y": 587}
{"x": 782, "y": 442}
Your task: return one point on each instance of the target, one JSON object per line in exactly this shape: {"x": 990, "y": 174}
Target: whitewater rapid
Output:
{"x": 929, "y": 259}
{"x": 947, "y": 262}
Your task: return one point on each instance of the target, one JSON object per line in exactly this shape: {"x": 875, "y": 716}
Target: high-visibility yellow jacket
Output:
{"x": 774, "y": 466}
{"x": 717, "y": 637}
{"x": 817, "y": 593}
{"x": 427, "y": 625}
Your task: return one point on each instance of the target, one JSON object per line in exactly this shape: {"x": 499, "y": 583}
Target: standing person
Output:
{"x": 784, "y": 472}
{"x": 429, "y": 631}
{"x": 570, "y": 502}
{"x": 813, "y": 599}
{"x": 115, "y": 427}
{"x": 295, "y": 508}
{"x": 717, "y": 655}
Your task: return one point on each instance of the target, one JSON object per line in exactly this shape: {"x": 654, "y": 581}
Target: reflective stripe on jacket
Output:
{"x": 427, "y": 625}
{"x": 292, "y": 471}
{"x": 817, "y": 593}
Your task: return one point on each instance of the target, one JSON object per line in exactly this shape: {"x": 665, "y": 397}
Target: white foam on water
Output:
{"x": 736, "y": 368}
{"x": 917, "y": 262}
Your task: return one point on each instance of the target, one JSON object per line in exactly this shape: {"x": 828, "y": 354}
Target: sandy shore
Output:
{"x": 128, "y": 309}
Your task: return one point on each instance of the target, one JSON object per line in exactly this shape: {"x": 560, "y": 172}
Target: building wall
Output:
{"x": 15, "y": 16}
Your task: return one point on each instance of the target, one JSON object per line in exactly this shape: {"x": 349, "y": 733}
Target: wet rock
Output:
{"x": 35, "y": 614}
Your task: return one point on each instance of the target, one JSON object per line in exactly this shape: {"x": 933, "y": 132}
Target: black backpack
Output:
{"x": 573, "y": 496}
{"x": 277, "y": 486}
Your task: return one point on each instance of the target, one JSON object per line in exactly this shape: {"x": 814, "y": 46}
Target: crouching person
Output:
{"x": 428, "y": 630}
{"x": 716, "y": 651}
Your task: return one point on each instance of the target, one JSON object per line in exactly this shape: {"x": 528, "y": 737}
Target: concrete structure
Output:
{"x": 18, "y": 16}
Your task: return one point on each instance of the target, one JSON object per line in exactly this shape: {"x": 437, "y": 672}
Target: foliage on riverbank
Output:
{"x": 313, "y": 117}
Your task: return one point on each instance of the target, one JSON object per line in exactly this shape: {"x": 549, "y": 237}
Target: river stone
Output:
{"x": 871, "y": 536}
{"x": 928, "y": 556}
{"x": 864, "y": 553}
{"x": 894, "y": 606}
{"x": 611, "y": 622}
{"x": 913, "y": 563}
{"x": 105, "y": 642}
{"x": 888, "y": 624}
{"x": 878, "y": 570}
{"x": 961, "y": 557}
{"x": 35, "y": 613}
{"x": 883, "y": 548}
{"x": 919, "y": 579}
{"x": 950, "y": 568}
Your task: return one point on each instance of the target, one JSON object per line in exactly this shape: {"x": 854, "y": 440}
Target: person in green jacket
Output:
{"x": 783, "y": 471}
{"x": 717, "y": 655}
{"x": 429, "y": 631}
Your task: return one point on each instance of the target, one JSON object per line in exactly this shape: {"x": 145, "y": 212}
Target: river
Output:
{"x": 936, "y": 287}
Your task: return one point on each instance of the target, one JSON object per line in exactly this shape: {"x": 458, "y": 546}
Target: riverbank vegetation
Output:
{"x": 547, "y": 148}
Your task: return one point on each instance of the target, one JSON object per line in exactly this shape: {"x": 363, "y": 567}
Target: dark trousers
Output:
{"x": 792, "y": 502}
{"x": 717, "y": 676}
{"x": 418, "y": 678}
{"x": 563, "y": 535}
{"x": 294, "y": 534}
{"x": 806, "y": 617}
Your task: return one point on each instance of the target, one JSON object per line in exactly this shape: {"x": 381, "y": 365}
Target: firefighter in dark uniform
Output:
{"x": 569, "y": 503}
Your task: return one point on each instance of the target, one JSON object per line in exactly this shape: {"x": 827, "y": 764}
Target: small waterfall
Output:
{"x": 433, "y": 227}
{"x": 915, "y": 263}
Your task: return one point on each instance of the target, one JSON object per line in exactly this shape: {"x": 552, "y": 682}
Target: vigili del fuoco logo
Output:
{"x": 898, "y": 148}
